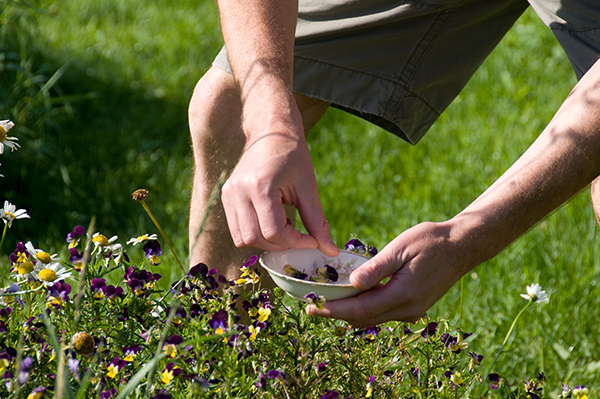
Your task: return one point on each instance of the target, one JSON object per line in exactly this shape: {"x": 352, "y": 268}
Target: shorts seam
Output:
{"x": 396, "y": 82}
{"x": 447, "y": 14}
{"x": 565, "y": 29}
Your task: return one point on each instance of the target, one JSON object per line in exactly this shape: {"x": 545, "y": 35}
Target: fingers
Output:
{"x": 373, "y": 307}
{"x": 368, "y": 275}
{"x": 317, "y": 226}
{"x": 262, "y": 223}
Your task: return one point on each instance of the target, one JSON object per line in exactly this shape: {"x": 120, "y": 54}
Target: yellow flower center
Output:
{"x": 101, "y": 240}
{"x": 2, "y": 134}
{"x": 48, "y": 275}
{"x": 25, "y": 268}
{"x": 44, "y": 257}
{"x": 9, "y": 215}
{"x": 83, "y": 343}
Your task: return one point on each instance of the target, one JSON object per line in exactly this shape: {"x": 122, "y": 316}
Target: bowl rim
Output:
{"x": 307, "y": 282}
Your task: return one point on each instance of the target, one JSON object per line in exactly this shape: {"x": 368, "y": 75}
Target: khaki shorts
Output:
{"x": 399, "y": 64}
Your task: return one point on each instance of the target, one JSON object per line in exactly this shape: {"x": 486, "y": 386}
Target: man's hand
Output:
{"x": 275, "y": 169}
{"x": 422, "y": 264}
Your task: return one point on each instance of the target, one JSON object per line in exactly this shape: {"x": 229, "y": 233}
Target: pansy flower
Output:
{"x": 580, "y": 392}
{"x": 315, "y": 299}
{"x": 24, "y": 373}
{"x": 152, "y": 250}
{"x": 5, "y": 140}
{"x": 370, "y": 386}
{"x": 97, "y": 287}
{"x": 356, "y": 246}
{"x": 218, "y": 322}
{"x": 277, "y": 375}
{"x": 162, "y": 394}
{"x": 9, "y": 213}
{"x": 37, "y": 393}
{"x": 294, "y": 273}
{"x": 74, "y": 236}
{"x": 20, "y": 254}
{"x": 325, "y": 274}
{"x": 475, "y": 360}
{"x": 249, "y": 274}
{"x": 76, "y": 258}
{"x": 495, "y": 380}
{"x": 140, "y": 281}
{"x": 429, "y": 330}
{"x": 455, "y": 377}
{"x": 370, "y": 333}
{"x": 129, "y": 352}
{"x": 169, "y": 372}
{"x": 331, "y": 394}
{"x": 114, "y": 367}
{"x": 112, "y": 293}
{"x": 58, "y": 294}
{"x": 170, "y": 345}
{"x": 109, "y": 393}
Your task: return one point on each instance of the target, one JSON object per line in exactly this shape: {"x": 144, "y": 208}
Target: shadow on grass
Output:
{"x": 116, "y": 139}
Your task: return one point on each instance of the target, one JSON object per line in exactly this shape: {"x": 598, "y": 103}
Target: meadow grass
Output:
{"x": 131, "y": 69}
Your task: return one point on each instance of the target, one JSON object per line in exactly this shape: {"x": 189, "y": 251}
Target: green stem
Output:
{"x": 3, "y": 235}
{"x": 508, "y": 334}
{"x": 162, "y": 233}
{"x": 460, "y": 311}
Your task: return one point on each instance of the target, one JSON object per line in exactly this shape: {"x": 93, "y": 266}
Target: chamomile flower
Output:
{"x": 535, "y": 294}
{"x": 41, "y": 256}
{"x": 142, "y": 238}
{"x": 9, "y": 213}
{"x": 51, "y": 273}
{"x": 6, "y": 141}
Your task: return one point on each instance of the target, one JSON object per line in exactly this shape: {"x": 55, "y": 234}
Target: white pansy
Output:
{"x": 9, "y": 212}
{"x": 536, "y": 294}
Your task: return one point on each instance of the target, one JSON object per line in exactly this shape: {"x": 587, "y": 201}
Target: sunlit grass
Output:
{"x": 141, "y": 62}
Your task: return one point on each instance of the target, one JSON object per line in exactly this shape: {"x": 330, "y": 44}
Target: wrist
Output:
{"x": 271, "y": 110}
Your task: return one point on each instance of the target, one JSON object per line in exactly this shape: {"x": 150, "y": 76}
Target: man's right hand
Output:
{"x": 275, "y": 169}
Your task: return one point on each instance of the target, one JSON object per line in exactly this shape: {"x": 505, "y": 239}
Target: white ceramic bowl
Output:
{"x": 307, "y": 260}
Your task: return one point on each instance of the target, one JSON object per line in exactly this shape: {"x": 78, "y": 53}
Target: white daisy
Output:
{"x": 9, "y": 213}
{"x": 51, "y": 273}
{"x": 41, "y": 257}
{"x": 536, "y": 294}
{"x": 142, "y": 238}
{"x": 5, "y": 140}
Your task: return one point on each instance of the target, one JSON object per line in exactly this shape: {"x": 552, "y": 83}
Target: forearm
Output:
{"x": 259, "y": 36}
{"x": 561, "y": 162}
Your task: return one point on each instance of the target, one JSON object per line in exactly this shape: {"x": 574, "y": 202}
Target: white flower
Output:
{"x": 51, "y": 273}
{"x": 9, "y": 213}
{"x": 5, "y": 140}
{"x": 536, "y": 294}
{"x": 41, "y": 257}
{"x": 142, "y": 238}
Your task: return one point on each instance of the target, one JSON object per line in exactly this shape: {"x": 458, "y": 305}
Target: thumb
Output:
{"x": 317, "y": 226}
{"x": 370, "y": 274}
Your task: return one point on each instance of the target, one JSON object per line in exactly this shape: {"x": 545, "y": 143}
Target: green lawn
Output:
{"x": 130, "y": 71}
